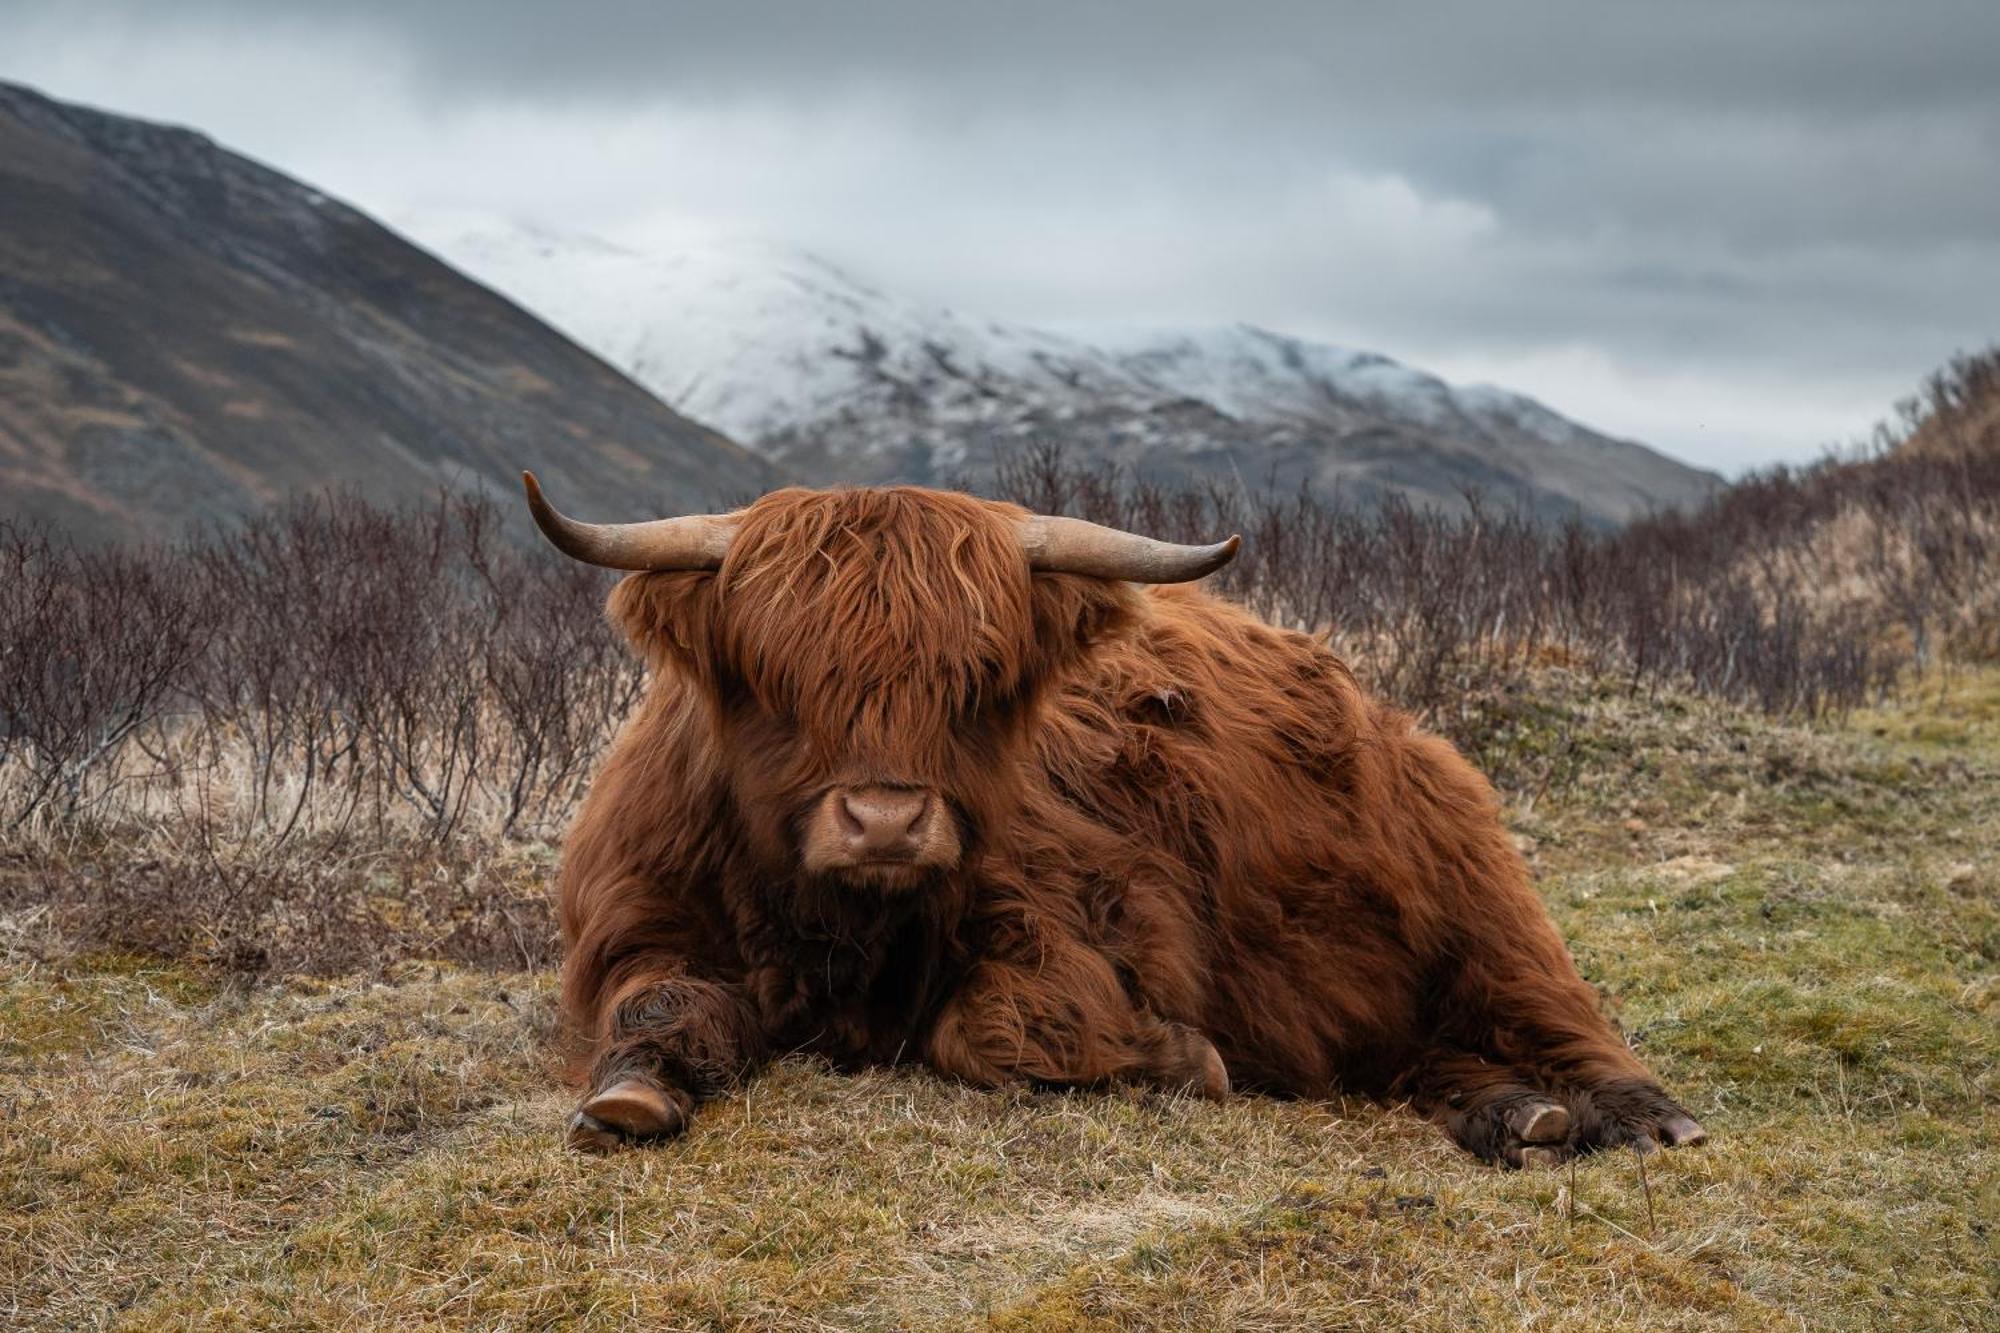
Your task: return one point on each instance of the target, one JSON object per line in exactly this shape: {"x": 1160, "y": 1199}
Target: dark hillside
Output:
{"x": 187, "y": 334}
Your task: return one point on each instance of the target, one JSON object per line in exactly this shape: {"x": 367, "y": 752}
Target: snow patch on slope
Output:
{"x": 834, "y": 376}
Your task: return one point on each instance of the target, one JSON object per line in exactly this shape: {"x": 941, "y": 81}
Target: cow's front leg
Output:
{"x": 667, "y": 1041}
{"x": 1066, "y": 1021}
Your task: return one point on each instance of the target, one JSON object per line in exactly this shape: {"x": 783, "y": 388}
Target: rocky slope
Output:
{"x": 185, "y": 334}
{"x": 838, "y": 380}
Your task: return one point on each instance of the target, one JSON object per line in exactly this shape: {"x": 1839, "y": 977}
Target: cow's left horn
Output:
{"x": 1072, "y": 546}
{"x": 693, "y": 541}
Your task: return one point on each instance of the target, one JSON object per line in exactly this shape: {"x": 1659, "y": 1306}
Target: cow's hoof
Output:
{"x": 1215, "y": 1076}
{"x": 636, "y": 1107}
{"x": 1531, "y": 1157}
{"x": 627, "y": 1111}
{"x": 1539, "y": 1122}
{"x": 586, "y": 1133}
{"x": 1683, "y": 1131}
{"x": 1504, "y": 1128}
{"x": 1634, "y": 1114}
{"x": 1187, "y": 1061}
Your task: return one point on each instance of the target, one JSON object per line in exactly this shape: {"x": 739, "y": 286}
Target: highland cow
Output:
{"x": 920, "y": 776}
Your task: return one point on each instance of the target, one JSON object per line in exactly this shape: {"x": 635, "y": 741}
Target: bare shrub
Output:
{"x": 1440, "y": 611}
{"x": 93, "y": 648}
{"x": 336, "y": 733}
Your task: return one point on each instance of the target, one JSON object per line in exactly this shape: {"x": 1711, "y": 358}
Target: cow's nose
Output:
{"x": 884, "y": 823}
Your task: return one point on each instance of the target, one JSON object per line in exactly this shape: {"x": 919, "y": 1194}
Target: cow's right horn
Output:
{"x": 1056, "y": 545}
{"x": 693, "y": 541}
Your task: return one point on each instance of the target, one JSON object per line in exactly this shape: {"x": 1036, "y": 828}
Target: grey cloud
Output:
{"x": 1824, "y": 57}
{"x": 1792, "y": 198}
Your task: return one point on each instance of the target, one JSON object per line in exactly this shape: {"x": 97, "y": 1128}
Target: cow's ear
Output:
{"x": 670, "y": 619}
{"x": 1074, "y": 614}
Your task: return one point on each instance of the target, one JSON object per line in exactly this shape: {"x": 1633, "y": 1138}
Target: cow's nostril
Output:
{"x": 851, "y": 822}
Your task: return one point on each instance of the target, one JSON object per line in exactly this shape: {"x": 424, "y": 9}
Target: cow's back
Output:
{"x": 1210, "y": 733}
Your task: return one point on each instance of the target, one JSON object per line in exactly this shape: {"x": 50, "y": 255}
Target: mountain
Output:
{"x": 187, "y": 334}
{"x": 835, "y": 379}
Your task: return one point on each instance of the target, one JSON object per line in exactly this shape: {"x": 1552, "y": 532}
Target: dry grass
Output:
{"x": 1801, "y": 929}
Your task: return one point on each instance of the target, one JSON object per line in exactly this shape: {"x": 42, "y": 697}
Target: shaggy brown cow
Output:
{"x": 921, "y": 776}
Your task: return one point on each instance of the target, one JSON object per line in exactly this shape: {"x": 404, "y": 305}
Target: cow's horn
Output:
{"x": 693, "y": 541}
{"x": 1072, "y": 546}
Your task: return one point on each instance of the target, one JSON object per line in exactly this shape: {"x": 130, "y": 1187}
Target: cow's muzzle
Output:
{"x": 880, "y": 832}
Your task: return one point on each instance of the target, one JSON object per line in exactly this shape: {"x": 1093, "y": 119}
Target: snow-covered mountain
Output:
{"x": 838, "y": 380}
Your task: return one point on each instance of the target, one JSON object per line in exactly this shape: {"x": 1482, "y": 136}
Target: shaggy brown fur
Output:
{"x": 1191, "y": 850}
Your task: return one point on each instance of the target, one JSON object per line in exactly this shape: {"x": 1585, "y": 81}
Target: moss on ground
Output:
{"x": 1799, "y": 929}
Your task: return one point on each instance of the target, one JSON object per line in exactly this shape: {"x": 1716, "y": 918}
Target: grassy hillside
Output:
{"x": 1799, "y": 927}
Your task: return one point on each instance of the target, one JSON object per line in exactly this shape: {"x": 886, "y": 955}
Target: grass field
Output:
{"x": 1801, "y": 930}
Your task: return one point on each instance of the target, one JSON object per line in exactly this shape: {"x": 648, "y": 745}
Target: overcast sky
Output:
{"x": 1735, "y": 230}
